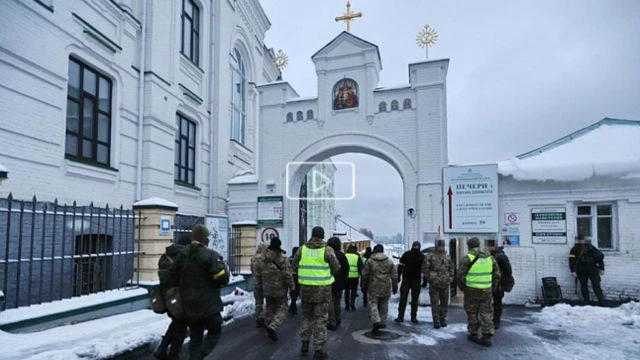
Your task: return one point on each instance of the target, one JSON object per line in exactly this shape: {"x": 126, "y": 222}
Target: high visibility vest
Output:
{"x": 479, "y": 275}
{"x": 353, "y": 265}
{"x": 313, "y": 270}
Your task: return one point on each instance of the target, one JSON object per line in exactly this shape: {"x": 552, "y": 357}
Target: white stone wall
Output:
{"x": 531, "y": 262}
{"x": 35, "y": 45}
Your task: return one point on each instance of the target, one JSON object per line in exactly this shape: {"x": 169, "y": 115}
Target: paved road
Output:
{"x": 515, "y": 340}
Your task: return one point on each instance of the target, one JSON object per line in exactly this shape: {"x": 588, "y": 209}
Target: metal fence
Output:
{"x": 182, "y": 225}
{"x": 235, "y": 250}
{"x": 52, "y": 251}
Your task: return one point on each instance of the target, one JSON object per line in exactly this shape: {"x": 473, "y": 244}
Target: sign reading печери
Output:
{"x": 470, "y": 199}
{"x": 549, "y": 225}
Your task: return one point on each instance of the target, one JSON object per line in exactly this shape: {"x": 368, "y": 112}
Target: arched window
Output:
{"x": 299, "y": 116}
{"x": 290, "y": 117}
{"x": 394, "y": 105}
{"x": 309, "y": 114}
{"x": 345, "y": 94}
{"x": 406, "y": 104}
{"x": 238, "y": 83}
{"x": 382, "y": 107}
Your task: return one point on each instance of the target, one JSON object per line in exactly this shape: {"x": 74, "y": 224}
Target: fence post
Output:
{"x": 155, "y": 233}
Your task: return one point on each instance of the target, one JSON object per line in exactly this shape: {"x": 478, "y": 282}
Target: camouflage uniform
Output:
{"x": 315, "y": 299}
{"x": 256, "y": 260}
{"x": 439, "y": 272}
{"x": 378, "y": 278}
{"x": 273, "y": 281}
{"x": 478, "y": 302}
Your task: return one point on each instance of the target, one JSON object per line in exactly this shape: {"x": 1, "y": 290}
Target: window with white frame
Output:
{"x": 190, "y": 44}
{"x": 185, "y": 151}
{"x": 597, "y": 221}
{"x": 238, "y": 83}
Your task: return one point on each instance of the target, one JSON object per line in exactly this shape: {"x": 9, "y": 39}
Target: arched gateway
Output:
{"x": 348, "y": 118}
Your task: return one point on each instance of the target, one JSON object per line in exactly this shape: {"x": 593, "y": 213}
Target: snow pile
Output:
{"x": 610, "y": 149}
{"x": 106, "y": 337}
{"x": 234, "y": 279}
{"x": 56, "y": 307}
{"x": 587, "y": 332}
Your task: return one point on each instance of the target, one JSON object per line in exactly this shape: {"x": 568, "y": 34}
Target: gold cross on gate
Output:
{"x": 349, "y": 16}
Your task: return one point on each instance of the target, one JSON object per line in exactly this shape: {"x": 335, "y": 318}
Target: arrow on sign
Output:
{"x": 450, "y": 194}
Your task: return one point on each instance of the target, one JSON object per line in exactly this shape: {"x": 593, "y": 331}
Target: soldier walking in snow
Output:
{"x": 379, "y": 279}
{"x": 315, "y": 263}
{"x": 409, "y": 270}
{"x": 273, "y": 281}
{"x": 355, "y": 270}
{"x": 255, "y": 263}
{"x": 340, "y": 283}
{"x": 478, "y": 276}
{"x": 586, "y": 263}
{"x": 506, "y": 278}
{"x": 439, "y": 272}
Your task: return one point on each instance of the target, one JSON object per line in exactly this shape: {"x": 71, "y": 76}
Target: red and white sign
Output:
{"x": 268, "y": 234}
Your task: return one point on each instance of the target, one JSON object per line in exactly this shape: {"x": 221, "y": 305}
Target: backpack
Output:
{"x": 158, "y": 304}
{"x": 508, "y": 283}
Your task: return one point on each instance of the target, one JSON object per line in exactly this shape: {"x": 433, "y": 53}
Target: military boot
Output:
{"x": 320, "y": 355}
{"x": 161, "y": 350}
{"x": 305, "y": 347}
{"x": 485, "y": 340}
{"x": 496, "y": 324}
{"x": 377, "y": 326}
{"x": 272, "y": 334}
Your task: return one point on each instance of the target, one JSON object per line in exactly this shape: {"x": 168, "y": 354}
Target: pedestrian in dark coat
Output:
{"x": 365, "y": 257}
{"x": 171, "y": 344}
{"x": 505, "y": 275}
{"x": 203, "y": 273}
{"x": 338, "y": 285}
{"x": 586, "y": 263}
{"x": 295, "y": 293}
{"x": 410, "y": 272}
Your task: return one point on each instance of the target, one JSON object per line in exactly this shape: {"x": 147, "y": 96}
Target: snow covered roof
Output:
{"x": 155, "y": 201}
{"x": 244, "y": 179}
{"x": 303, "y": 98}
{"x": 610, "y": 147}
{"x": 348, "y": 233}
{"x": 395, "y": 87}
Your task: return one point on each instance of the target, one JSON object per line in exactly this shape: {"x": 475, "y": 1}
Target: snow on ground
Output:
{"x": 35, "y": 311}
{"x": 233, "y": 279}
{"x": 103, "y": 338}
{"x": 575, "y": 332}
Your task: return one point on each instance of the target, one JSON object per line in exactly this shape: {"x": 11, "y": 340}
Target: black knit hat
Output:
{"x": 440, "y": 243}
{"x": 275, "y": 244}
{"x": 416, "y": 244}
{"x": 473, "y": 243}
{"x": 334, "y": 243}
{"x": 317, "y": 232}
{"x": 200, "y": 233}
{"x": 378, "y": 248}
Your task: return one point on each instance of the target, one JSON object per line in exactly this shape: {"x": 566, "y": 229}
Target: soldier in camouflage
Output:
{"x": 379, "y": 278}
{"x": 315, "y": 297}
{"x": 274, "y": 280}
{"x": 256, "y": 260}
{"x": 478, "y": 275}
{"x": 438, "y": 272}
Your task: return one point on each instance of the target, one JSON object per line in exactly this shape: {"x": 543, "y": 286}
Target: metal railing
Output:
{"x": 51, "y": 251}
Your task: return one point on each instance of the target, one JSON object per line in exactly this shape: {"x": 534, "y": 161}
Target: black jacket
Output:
{"x": 585, "y": 259}
{"x": 167, "y": 277}
{"x": 202, "y": 274}
{"x": 503, "y": 264}
{"x": 410, "y": 266}
{"x": 341, "y": 277}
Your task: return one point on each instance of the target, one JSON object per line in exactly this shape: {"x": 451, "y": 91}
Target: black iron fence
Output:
{"x": 182, "y": 225}
{"x": 52, "y": 251}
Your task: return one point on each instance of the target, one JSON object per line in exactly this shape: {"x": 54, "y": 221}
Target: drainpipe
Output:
{"x": 213, "y": 76}
{"x": 256, "y": 151}
{"x": 143, "y": 38}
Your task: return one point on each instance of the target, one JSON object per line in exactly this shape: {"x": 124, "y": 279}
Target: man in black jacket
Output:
{"x": 586, "y": 263}
{"x": 338, "y": 285}
{"x": 171, "y": 344}
{"x": 410, "y": 271}
{"x": 506, "y": 275}
{"x": 202, "y": 274}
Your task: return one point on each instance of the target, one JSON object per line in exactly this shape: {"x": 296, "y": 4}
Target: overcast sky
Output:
{"x": 521, "y": 73}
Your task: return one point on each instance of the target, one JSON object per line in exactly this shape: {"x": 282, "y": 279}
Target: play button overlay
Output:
{"x": 320, "y": 182}
{"x": 324, "y": 180}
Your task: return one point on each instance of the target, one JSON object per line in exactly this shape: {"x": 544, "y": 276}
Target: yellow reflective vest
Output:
{"x": 479, "y": 275}
{"x": 313, "y": 270}
{"x": 353, "y": 265}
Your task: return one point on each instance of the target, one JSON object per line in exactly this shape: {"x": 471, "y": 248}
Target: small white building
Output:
{"x": 586, "y": 183}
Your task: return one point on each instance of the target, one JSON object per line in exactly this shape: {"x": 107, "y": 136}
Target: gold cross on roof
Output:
{"x": 349, "y": 16}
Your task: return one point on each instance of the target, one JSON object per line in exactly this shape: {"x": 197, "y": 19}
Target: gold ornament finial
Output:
{"x": 426, "y": 38}
{"x": 281, "y": 60}
{"x": 349, "y": 16}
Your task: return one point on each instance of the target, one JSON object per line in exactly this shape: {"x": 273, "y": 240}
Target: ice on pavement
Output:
{"x": 103, "y": 338}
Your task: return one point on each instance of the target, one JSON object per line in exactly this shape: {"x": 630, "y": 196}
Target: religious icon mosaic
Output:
{"x": 345, "y": 94}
